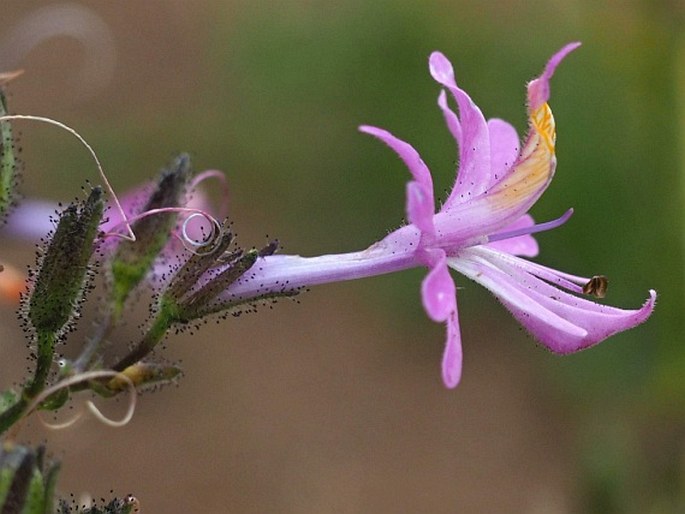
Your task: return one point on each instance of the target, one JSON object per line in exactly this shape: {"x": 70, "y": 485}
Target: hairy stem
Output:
{"x": 167, "y": 315}
{"x": 46, "y": 348}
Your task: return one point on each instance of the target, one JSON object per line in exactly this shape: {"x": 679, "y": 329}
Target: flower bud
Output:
{"x": 132, "y": 260}
{"x": 62, "y": 273}
{"x": 199, "y": 263}
{"x": 200, "y": 303}
{"x": 24, "y": 485}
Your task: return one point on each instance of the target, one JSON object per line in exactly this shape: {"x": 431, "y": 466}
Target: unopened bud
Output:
{"x": 200, "y": 303}
{"x": 63, "y": 270}
{"x": 132, "y": 260}
{"x": 198, "y": 264}
{"x": 26, "y": 484}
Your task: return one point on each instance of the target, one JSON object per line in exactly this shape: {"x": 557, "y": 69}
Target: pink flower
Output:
{"x": 481, "y": 230}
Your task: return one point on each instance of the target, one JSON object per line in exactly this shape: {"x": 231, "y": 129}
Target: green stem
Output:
{"x": 46, "y": 348}
{"x": 13, "y": 414}
{"x": 167, "y": 316}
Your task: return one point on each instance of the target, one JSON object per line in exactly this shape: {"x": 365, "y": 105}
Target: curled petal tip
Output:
{"x": 368, "y": 129}
{"x": 538, "y": 89}
{"x": 647, "y": 308}
{"x": 651, "y": 301}
{"x": 441, "y": 69}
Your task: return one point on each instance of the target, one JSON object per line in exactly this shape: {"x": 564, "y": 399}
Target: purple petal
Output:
{"x": 420, "y": 199}
{"x": 132, "y": 202}
{"x": 504, "y": 147}
{"x": 420, "y": 207}
{"x": 31, "y": 219}
{"x": 561, "y": 321}
{"x": 475, "y": 174}
{"x": 538, "y": 89}
{"x": 451, "y": 119}
{"x": 406, "y": 152}
{"x": 524, "y": 245}
{"x": 452, "y": 357}
{"x": 438, "y": 290}
{"x": 514, "y": 193}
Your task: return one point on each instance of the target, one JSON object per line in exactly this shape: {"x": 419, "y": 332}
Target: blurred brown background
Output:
{"x": 336, "y": 404}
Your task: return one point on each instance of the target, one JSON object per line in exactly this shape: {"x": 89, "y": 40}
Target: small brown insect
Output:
{"x": 597, "y": 286}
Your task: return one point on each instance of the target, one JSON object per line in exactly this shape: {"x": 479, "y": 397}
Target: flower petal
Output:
{"x": 420, "y": 207}
{"x": 420, "y": 199}
{"x": 538, "y": 89}
{"x": 562, "y": 322}
{"x": 32, "y": 219}
{"x": 452, "y": 357}
{"x": 525, "y": 245}
{"x": 438, "y": 291}
{"x": 475, "y": 173}
{"x": 534, "y": 168}
{"x": 504, "y": 147}
{"x": 451, "y": 119}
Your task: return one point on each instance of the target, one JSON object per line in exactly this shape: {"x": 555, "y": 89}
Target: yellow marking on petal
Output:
{"x": 542, "y": 121}
{"x": 535, "y": 166}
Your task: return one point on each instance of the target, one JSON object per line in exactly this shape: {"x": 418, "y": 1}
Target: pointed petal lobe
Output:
{"x": 563, "y": 322}
{"x": 452, "y": 357}
{"x": 538, "y": 89}
{"x": 438, "y": 290}
{"x": 475, "y": 174}
{"x": 535, "y": 166}
{"x": 420, "y": 199}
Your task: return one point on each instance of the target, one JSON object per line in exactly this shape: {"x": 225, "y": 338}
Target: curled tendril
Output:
{"x": 206, "y": 245}
{"x": 130, "y": 236}
{"x": 82, "y": 377}
{"x": 209, "y": 243}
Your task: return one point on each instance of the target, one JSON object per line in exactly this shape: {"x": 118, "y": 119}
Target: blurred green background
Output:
{"x": 336, "y": 404}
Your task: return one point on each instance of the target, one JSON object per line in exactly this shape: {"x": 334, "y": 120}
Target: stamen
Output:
{"x": 597, "y": 286}
{"x": 539, "y": 227}
{"x": 572, "y": 283}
